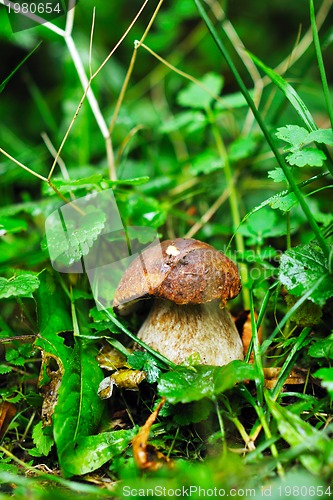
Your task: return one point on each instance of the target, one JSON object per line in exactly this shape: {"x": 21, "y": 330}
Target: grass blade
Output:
{"x": 290, "y": 93}
{"x": 4, "y": 83}
{"x": 321, "y": 66}
{"x": 217, "y": 39}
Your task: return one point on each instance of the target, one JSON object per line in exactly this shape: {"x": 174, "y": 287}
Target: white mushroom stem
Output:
{"x": 179, "y": 331}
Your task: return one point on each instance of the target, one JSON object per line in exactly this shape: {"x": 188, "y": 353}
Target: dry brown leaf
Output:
{"x": 124, "y": 379}
{"x": 111, "y": 359}
{"x": 50, "y": 390}
{"x": 145, "y": 455}
{"x": 296, "y": 376}
{"x": 7, "y": 413}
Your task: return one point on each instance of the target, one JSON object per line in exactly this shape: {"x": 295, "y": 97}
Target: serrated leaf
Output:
{"x": 195, "y": 96}
{"x": 144, "y": 361}
{"x": 295, "y": 135}
{"x": 284, "y": 203}
{"x": 321, "y": 135}
{"x": 20, "y": 286}
{"x": 206, "y": 163}
{"x": 301, "y": 268}
{"x": 42, "y": 438}
{"x": 277, "y": 175}
{"x": 71, "y": 239}
{"x": 322, "y": 348}
{"x": 296, "y": 431}
{"x": 185, "y": 386}
{"x": 307, "y": 156}
{"x": 79, "y": 409}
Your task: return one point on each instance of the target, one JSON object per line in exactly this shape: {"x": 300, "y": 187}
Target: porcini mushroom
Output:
{"x": 190, "y": 283}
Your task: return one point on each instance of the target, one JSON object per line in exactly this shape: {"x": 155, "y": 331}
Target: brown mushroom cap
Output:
{"x": 183, "y": 270}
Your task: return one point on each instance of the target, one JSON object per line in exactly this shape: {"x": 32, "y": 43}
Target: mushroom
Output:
{"x": 190, "y": 283}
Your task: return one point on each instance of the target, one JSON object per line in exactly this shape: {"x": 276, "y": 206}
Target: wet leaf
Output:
{"x": 293, "y": 134}
{"x": 20, "y": 286}
{"x": 145, "y": 361}
{"x": 301, "y": 268}
{"x": 79, "y": 408}
{"x": 72, "y": 238}
{"x": 91, "y": 452}
{"x": 284, "y": 202}
{"x": 184, "y": 385}
{"x": 307, "y": 156}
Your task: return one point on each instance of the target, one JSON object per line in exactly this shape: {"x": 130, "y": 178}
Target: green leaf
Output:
{"x": 262, "y": 225}
{"x": 144, "y": 361}
{"x": 11, "y": 226}
{"x": 289, "y": 92}
{"x": 191, "y": 120}
{"x": 277, "y": 175}
{"x": 53, "y": 306}
{"x": 43, "y": 439}
{"x": 322, "y": 348}
{"x": 184, "y": 385}
{"x": 79, "y": 409}
{"x": 91, "y": 452}
{"x": 91, "y": 183}
{"x": 295, "y": 135}
{"x": 232, "y": 101}
{"x": 301, "y": 268}
{"x": 70, "y": 241}
{"x": 243, "y": 147}
{"x": 321, "y": 135}
{"x": 206, "y": 162}
{"x": 307, "y": 156}
{"x": 195, "y": 96}
{"x": 20, "y": 286}
{"x": 326, "y": 375}
{"x": 283, "y": 202}
{"x": 297, "y": 432}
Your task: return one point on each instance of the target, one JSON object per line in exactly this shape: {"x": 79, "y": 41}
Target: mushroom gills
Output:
{"x": 179, "y": 331}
